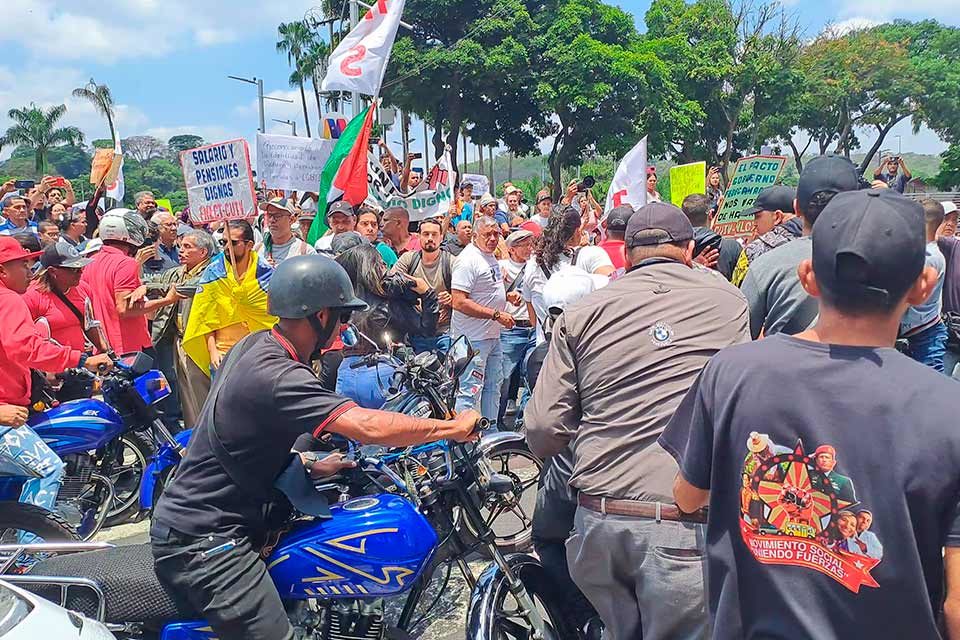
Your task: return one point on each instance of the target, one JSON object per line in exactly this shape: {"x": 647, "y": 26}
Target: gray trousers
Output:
{"x": 646, "y": 579}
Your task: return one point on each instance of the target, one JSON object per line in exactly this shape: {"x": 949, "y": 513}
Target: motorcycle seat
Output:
{"x": 126, "y": 576}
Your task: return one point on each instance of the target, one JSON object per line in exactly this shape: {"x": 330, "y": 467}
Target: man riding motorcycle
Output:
{"x": 22, "y": 348}
{"x": 209, "y": 524}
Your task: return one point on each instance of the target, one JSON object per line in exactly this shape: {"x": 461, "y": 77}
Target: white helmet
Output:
{"x": 123, "y": 225}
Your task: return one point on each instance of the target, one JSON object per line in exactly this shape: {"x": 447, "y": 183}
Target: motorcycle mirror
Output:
{"x": 459, "y": 357}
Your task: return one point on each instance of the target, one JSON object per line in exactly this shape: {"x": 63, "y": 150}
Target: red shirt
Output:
{"x": 22, "y": 348}
{"x": 110, "y": 272}
{"x": 614, "y": 249}
{"x": 65, "y": 327}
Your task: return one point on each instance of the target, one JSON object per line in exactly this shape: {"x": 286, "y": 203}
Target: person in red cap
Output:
{"x": 22, "y": 348}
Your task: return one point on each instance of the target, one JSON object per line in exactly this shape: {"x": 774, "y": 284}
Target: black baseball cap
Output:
{"x": 60, "y": 254}
{"x": 340, "y": 206}
{"x": 828, "y": 174}
{"x": 776, "y": 198}
{"x": 870, "y": 242}
{"x": 657, "y": 223}
{"x": 618, "y": 217}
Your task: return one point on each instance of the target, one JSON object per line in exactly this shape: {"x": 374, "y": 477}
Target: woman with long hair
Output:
{"x": 715, "y": 187}
{"x": 397, "y": 305}
{"x": 559, "y": 245}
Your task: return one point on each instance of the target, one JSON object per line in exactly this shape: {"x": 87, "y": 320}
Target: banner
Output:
{"x": 290, "y": 162}
{"x": 360, "y": 60}
{"x": 686, "y": 179}
{"x": 752, "y": 175}
{"x": 219, "y": 181}
{"x": 431, "y": 199}
{"x": 481, "y": 184}
{"x": 629, "y": 185}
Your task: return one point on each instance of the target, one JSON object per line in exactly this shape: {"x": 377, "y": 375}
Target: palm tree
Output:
{"x": 99, "y": 95}
{"x": 37, "y": 129}
{"x": 314, "y": 66}
{"x": 294, "y": 39}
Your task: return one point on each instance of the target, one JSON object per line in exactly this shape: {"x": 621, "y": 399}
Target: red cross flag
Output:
{"x": 360, "y": 60}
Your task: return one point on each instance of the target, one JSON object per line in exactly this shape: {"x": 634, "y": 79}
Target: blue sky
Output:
{"x": 166, "y": 61}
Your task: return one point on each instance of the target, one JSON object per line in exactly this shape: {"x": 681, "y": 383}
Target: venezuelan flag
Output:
{"x": 221, "y": 302}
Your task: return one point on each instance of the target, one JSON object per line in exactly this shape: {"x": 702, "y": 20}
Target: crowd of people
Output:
{"x": 677, "y": 369}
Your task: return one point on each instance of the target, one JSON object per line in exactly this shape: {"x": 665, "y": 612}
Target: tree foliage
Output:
{"x": 295, "y": 40}
{"x": 37, "y": 129}
{"x": 99, "y": 95}
{"x": 183, "y": 142}
{"x": 143, "y": 148}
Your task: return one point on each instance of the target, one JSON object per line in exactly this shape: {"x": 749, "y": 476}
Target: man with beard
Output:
{"x": 435, "y": 266}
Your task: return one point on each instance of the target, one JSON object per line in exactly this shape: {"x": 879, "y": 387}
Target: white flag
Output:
{"x": 629, "y": 184}
{"x": 360, "y": 60}
{"x": 115, "y": 188}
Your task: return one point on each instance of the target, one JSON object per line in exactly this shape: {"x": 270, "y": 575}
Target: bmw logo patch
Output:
{"x": 661, "y": 334}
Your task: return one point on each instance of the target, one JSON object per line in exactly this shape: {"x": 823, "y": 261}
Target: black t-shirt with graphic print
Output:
{"x": 834, "y": 476}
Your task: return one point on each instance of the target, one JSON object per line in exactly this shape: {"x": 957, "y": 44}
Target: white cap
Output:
{"x": 569, "y": 285}
{"x": 948, "y": 207}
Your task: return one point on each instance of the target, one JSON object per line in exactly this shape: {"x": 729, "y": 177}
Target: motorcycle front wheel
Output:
{"x": 510, "y": 515}
{"x": 136, "y": 450}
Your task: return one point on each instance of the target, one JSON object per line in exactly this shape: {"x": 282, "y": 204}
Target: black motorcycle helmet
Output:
{"x": 304, "y": 285}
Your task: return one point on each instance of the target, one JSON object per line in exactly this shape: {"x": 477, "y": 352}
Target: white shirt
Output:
{"x": 589, "y": 259}
{"x": 539, "y": 219}
{"x": 325, "y": 242}
{"x": 479, "y": 275}
{"x": 511, "y": 270}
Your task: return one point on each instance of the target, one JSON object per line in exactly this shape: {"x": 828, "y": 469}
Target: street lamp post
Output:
{"x": 260, "y": 97}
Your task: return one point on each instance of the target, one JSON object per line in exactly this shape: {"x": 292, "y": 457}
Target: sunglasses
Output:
{"x": 236, "y": 243}
{"x": 73, "y": 270}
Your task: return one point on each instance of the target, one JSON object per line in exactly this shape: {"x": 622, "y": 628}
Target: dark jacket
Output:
{"x": 401, "y": 313}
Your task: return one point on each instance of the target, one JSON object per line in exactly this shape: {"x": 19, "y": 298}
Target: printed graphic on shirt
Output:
{"x": 797, "y": 509}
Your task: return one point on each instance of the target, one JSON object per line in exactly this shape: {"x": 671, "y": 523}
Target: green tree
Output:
{"x": 183, "y": 142}
{"x": 102, "y": 143}
{"x": 37, "y": 129}
{"x": 294, "y": 41}
{"x": 948, "y": 177}
{"x": 99, "y": 95}
{"x": 69, "y": 161}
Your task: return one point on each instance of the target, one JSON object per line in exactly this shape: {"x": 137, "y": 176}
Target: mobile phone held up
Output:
{"x": 59, "y": 181}
{"x": 24, "y": 184}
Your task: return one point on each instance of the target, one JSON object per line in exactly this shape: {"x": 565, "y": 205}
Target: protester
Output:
{"x": 49, "y": 233}
{"x": 479, "y": 312}
{"x": 775, "y": 224}
{"x": 544, "y": 206}
{"x": 652, "y": 194}
{"x": 341, "y": 219}
{"x": 145, "y": 203}
{"x": 715, "y": 188}
{"x": 619, "y": 363}
{"x": 397, "y": 306}
{"x": 435, "y": 266}
{"x": 516, "y": 342}
{"x": 696, "y": 207}
{"x": 162, "y": 255}
{"x": 116, "y": 290}
{"x": 890, "y": 172}
{"x": 511, "y": 201}
{"x": 231, "y": 302}
{"x": 57, "y": 295}
{"x": 455, "y": 243}
{"x": 948, "y": 244}
{"x": 73, "y": 226}
{"x": 921, "y": 326}
{"x": 778, "y": 301}
{"x": 488, "y": 206}
{"x": 368, "y": 225}
{"x": 56, "y": 213}
{"x": 16, "y": 211}
{"x": 866, "y": 266}
{"x": 396, "y": 231}
{"x": 559, "y": 245}
{"x": 463, "y": 205}
{"x": 279, "y": 243}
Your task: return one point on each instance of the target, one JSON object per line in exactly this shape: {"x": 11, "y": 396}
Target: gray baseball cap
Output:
{"x": 657, "y": 223}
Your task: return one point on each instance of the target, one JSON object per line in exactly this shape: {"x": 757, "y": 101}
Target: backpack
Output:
{"x": 446, "y": 266}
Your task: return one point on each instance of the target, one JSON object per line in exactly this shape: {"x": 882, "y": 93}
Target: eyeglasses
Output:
{"x": 236, "y": 243}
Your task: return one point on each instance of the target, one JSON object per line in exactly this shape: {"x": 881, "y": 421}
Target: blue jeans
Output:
{"x": 364, "y": 385}
{"x": 26, "y": 447}
{"x": 482, "y": 379}
{"x": 439, "y": 343}
{"x": 515, "y": 344}
{"x": 929, "y": 346}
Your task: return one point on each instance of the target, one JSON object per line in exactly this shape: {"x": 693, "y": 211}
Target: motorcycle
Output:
{"x": 18, "y": 518}
{"x": 387, "y": 540}
{"x": 103, "y": 445}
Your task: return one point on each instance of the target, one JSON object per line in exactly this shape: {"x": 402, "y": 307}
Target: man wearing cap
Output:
{"x": 57, "y": 295}
{"x": 279, "y": 243}
{"x": 950, "y": 247}
{"x": 516, "y": 342}
{"x": 22, "y": 349}
{"x": 778, "y": 302}
{"x": 775, "y": 224}
{"x": 619, "y": 362}
{"x": 847, "y": 387}
{"x": 340, "y": 218}
{"x": 615, "y": 224}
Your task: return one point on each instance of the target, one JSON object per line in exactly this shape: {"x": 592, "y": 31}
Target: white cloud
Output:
{"x": 207, "y": 37}
{"x": 886, "y": 10}
{"x": 852, "y": 24}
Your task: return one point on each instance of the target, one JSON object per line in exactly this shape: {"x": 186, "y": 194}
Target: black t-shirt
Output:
{"x": 798, "y": 442}
{"x": 265, "y": 399}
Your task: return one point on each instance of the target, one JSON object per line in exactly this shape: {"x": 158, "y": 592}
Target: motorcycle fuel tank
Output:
{"x": 372, "y": 546}
{"x": 77, "y": 426}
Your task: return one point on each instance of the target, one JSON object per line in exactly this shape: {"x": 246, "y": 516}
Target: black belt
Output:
{"x": 522, "y": 324}
{"x": 638, "y": 509}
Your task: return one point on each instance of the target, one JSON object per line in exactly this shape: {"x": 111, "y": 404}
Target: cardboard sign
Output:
{"x": 219, "y": 181}
{"x": 105, "y": 166}
{"x": 686, "y": 179}
{"x": 752, "y": 175}
{"x": 431, "y": 198}
{"x": 481, "y": 184}
{"x": 290, "y": 162}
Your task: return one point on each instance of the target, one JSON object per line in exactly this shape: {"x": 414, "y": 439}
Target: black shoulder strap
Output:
{"x": 576, "y": 254}
{"x": 446, "y": 268}
{"x": 70, "y": 305}
{"x": 414, "y": 263}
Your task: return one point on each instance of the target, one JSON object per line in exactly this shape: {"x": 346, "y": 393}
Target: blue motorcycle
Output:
{"x": 108, "y": 455}
{"x": 398, "y": 525}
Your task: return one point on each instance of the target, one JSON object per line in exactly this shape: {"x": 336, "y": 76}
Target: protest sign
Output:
{"x": 291, "y": 163}
{"x": 752, "y": 175}
{"x": 219, "y": 181}
{"x": 481, "y": 184}
{"x": 431, "y": 198}
{"x": 105, "y": 166}
{"x": 686, "y": 179}
{"x": 164, "y": 203}
{"x": 629, "y": 185}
